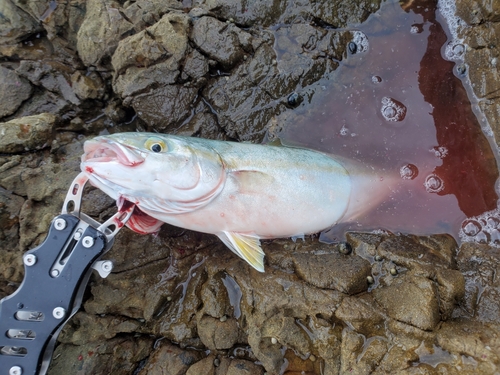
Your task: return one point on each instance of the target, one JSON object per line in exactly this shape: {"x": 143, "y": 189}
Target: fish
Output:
{"x": 240, "y": 192}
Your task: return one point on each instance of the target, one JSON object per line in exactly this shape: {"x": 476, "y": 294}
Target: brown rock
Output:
{"x": 100, "y": 32}
{"x": 13, "y": 91}
{"x": 242, "y": 367}
{"x": 220, "y": 41}
{"x": 170, "y": 360}
{"x": 203, "y": 367}
{"x": 412, "y": 300}
{"x": 26, "y": 133}
{"x": 216, "y": 334}
{"x": 361, "y": 314}
{"x": 347, "y": 274}
{"x": 479, "y": 265}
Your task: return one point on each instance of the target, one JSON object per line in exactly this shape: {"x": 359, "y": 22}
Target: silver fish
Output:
{"x": 240, "y": 192}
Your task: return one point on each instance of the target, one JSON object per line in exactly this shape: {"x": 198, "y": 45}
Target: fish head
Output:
{"x": 158, "y": 173}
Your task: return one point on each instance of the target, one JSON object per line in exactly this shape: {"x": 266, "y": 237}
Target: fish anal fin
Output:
{"x": 245, "y": 246}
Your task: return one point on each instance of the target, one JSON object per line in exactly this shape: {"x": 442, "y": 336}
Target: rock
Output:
{"x": 196, "y": 66}
{"x": 100, "y": 32}
{"x": 203, "y": 367}
{"x": 166, "y": 40}
{"x": 359, "y": 355}
{"x": 216, "y": 334}
{"x": 472, "y": 340}
{"x": 242, "y": 367}
{"x": 412, "y": 300}
{"x": 413, "y": 251}
{"x": 53, "y": 76}
{"x": 96, "y": 328}
{"x": 87, "y": 86}
{"x": 120, "y": 356}
{"x": 173, "y": 102}
{"x": 168, "y": 359}
{"x": 16, "y": 24}
{"x": 144, "y": 13}
{"x": 220, "y": 41}
{"x": 10, "y": 208}
{"x": 13, "y": 91}
{"x": 27, "y": 133}
{"x": 362, "y": 315}
{"x": 347, "y": 274}
{"x": 479, "y": 265}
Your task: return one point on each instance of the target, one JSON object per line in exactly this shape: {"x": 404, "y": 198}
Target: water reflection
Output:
{"x": 398, "y": 107}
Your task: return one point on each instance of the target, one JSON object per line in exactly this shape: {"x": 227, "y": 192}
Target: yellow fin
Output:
{"x": 246, "y": 246}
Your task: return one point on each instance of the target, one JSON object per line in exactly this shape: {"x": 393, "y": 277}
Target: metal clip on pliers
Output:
{"x": 56, "y": 274}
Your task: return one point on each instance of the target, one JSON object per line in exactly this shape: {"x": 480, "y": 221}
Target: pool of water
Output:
{"x": 398, "y": 104}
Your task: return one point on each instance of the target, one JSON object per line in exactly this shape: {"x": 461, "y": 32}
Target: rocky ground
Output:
{"x": 180, "y": 302}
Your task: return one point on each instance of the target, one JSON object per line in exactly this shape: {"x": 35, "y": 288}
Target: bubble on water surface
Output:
{"x": 433, "y": 184}
{"x": 440, "y": 151}
{"x": 471, "y": 227}
{"x": 392, "y": 109}
{"x": 408, "y": 171}
{"x": 454, "y": 51}
{"x": 361, "y": 41}
{"x": 483, "y": 228}
{"x": 416, "y": 28}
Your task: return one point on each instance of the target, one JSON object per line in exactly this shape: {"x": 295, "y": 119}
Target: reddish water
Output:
{"x": 400, "y": 104}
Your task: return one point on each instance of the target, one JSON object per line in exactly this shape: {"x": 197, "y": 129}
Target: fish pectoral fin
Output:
{"x": 245, "y": 246}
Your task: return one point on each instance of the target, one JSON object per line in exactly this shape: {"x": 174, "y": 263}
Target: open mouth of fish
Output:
{"x": 106, "y": 151}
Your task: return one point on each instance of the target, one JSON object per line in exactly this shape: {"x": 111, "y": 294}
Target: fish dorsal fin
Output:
{"x": 246, "y": 246}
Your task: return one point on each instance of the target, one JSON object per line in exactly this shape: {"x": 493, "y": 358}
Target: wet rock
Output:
{"x": 174, "y": 102}
{"x": 87, "y": 86}
{"x": 410, "y": 299}
{"x": 118, "y": 293}
{"x": 16, "y": 24}
{"x": 196, "y": 66}
{"x": 216, "y": 334}
{"x": 225, "y": 43}
{"x": 472, "y": 340}
{"x": 203, "y": 367}
{"x": 242, "y": 367}
{"x": 27, "y": 133}
{"x": 10, "y": 208}
{"x": 168, "y": 359}
{"x": 85, "y": 328}
{"x": 333, "y": 271}
{"x": 53, "y": 76}
{"x": 120, "y": 356}
{"x": 101, "y": 30}
{"x": 13, "y": 91}
{"x": 415, "y": 252}
{"x": 479, "y": 265}
{"x": 360, "y": 355}
{"x": 337, "y": 14}
{"x": 202, "y": 125}
{"x": 451, "y": 289}
{"x": 144, "y": 13}
{"x": 362, "y": 315}
{"x": 165, "y": 40}
{"x": 11, "y": 271}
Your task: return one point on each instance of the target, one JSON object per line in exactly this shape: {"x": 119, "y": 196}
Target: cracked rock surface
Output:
{"x": 180, "y": 302}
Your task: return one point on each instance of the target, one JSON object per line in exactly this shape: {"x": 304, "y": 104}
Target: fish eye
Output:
{"x": 155, "y": 145}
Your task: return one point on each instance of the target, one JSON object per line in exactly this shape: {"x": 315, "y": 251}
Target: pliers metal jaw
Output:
{"x": 56, "y": 274}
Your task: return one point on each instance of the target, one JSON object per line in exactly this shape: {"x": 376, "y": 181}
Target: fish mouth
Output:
{"x": 105, "y": 150}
